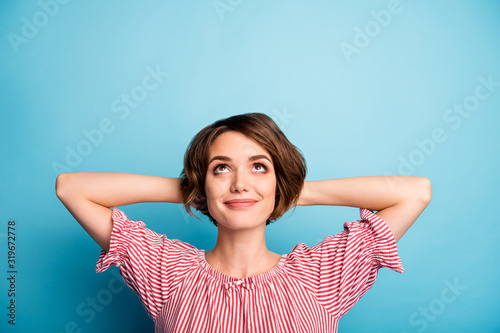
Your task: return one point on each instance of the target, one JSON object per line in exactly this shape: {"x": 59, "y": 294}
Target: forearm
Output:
{"x": 88, "y": 196}
{"x": 398, "y": 200}
{"x": 374, "y": 192}
{"x": 118, "y": 189}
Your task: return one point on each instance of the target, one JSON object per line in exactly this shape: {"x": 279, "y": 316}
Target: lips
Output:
{"x": 240, "y": 203}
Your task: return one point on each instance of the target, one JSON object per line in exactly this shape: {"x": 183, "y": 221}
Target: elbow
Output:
{"x": 59, "y": 184}
{"x": 62, "y": 185}
{"x": 425, "y": 190}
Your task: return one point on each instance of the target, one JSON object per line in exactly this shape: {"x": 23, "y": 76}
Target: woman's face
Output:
{"x": 240, "y": 183}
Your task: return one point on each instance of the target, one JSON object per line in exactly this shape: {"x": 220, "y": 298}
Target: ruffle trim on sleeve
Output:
{"x": 115, "y": 254}
{"x": 385, "y": 251}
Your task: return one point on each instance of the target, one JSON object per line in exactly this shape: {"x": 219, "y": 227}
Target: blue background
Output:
{"x": 358, "y": 96}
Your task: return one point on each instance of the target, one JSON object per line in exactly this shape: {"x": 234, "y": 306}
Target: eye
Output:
{"x": 221, "y": 168}
{"x": 258, "y": 167}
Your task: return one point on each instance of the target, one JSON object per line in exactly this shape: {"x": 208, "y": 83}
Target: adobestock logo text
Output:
{"x": 454, "y": 118}
{"x": 122, "y": 107}
{"x": 32, "y": 25}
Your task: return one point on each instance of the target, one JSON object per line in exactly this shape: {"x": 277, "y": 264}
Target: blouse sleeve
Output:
{"x": 342, "y": 268}
{"x": 146, "y": 260}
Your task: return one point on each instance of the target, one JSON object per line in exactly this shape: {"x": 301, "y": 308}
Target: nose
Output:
{"x": 240, "y": 182}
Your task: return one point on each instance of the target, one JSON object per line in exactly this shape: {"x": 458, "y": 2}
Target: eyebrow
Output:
{"x": 228, "y": 159}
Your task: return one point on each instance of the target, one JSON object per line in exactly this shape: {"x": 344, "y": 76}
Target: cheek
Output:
{"x": 210, "y": 197}
{"x": 268, "y": 188}
{"x": 213, "y": 187}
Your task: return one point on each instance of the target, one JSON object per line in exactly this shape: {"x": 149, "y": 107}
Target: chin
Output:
{"x": 240, "y": 222}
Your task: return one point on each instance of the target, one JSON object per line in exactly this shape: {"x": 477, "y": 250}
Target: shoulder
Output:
{"x": 132, "y": 240}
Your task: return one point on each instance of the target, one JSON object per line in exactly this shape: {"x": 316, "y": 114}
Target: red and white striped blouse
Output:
{"x": 307, "y": 291}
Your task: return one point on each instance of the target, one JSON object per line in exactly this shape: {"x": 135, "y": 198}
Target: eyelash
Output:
{"x": 218, "y": 166}
{"x": 225, "y": 165}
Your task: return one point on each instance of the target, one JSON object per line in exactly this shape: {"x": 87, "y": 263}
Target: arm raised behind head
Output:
{"x": 399, "y": 200}
{"x": 88, "y": 196}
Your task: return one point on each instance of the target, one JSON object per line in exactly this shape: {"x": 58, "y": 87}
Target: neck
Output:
{"x": 241, "y": 253}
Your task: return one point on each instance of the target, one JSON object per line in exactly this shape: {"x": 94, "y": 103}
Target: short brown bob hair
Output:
{"x": 289, "y": 164}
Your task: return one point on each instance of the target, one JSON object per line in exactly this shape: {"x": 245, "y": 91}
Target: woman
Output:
{"x": 243, "y": 173}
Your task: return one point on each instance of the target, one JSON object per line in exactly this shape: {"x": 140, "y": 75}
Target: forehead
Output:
{"x": 236, "y": 143}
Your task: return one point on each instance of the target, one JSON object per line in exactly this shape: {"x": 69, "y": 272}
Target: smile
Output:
{"x": 240, "y": 203}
